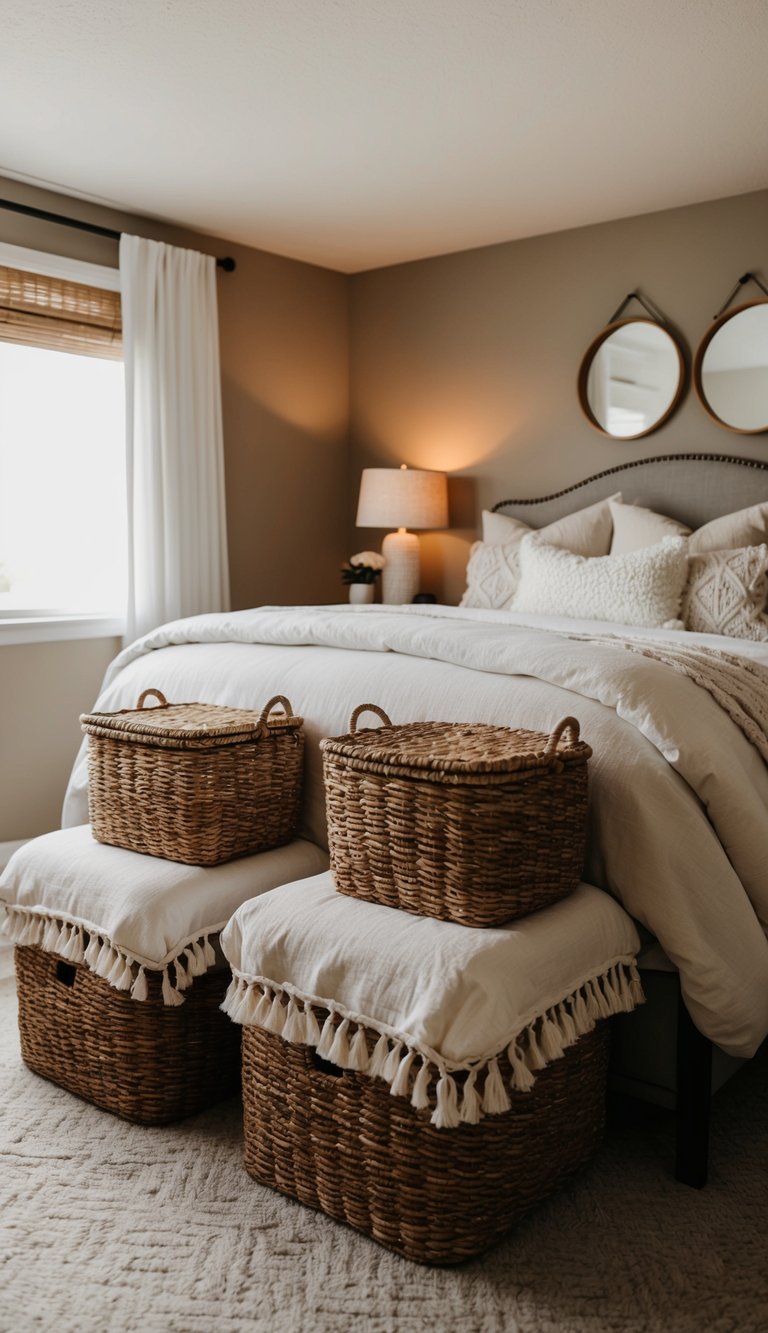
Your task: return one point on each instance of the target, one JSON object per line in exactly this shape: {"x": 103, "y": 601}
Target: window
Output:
{"x": 62, "y": 445}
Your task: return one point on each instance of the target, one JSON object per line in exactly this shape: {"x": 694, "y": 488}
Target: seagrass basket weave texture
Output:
{"x": 337, "y": 1140}
{"x": 466, "y": 822}
{"x": 147, "y": 1062}
{"x": 196, "y": 783}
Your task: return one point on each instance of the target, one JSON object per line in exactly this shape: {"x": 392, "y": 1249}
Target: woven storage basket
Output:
{"x": 196, "y": 783}
{"x": 339, "y": 1141}
{"x": 147, "y": 1062}
{"x": 469, "y": 823}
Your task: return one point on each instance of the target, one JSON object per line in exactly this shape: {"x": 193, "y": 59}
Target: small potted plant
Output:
{"x": 360, "y": 574}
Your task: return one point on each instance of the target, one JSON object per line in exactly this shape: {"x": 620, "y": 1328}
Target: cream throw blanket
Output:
{"x": 121, "y": 914}
{"x": 415, "y": 1001}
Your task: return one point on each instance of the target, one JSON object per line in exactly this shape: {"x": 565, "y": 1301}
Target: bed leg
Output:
{"x": 694, "y": 1095}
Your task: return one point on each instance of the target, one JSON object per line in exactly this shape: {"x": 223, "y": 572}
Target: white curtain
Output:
{"x": 177, "y": 540}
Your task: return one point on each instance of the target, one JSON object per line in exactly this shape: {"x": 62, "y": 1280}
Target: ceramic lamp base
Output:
{"x": 400, "y": 576}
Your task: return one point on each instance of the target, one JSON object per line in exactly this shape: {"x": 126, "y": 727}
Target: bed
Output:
{"x": 678, "y": 823}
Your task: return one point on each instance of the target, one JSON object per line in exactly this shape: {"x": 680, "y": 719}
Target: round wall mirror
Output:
{"x": 631, "y": 379}
{"x": 731, "y": 369}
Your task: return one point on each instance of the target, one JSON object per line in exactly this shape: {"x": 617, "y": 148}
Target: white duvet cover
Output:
{"x": 678, "y": 796}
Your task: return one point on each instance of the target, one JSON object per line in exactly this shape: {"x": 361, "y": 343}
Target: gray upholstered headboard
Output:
{"x": 693, "y": 488}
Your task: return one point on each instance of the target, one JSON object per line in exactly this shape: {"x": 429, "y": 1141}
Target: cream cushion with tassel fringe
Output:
{"x": 122, "y": 914}
{"x": 416, "y": 1001}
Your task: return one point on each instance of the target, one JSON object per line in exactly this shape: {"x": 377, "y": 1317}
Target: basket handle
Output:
{"x": 267, "y": 709}
{"x": 158, "y": 695}
{"x": 568, "y": 724}
{"x": 368, "y": 708}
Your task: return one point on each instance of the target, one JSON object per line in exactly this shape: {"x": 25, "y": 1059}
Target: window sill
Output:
{"x": 48, "y": 629}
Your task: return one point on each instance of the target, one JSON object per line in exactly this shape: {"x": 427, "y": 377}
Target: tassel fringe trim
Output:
{"x": 455, "y": 1094}
{"x": 77, "y": 944}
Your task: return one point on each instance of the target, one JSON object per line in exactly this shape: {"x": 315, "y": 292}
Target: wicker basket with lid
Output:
{"x": 196, "y": 783}
{"x": 465, "y": 822}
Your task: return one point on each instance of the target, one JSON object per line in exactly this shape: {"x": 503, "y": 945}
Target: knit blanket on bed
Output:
{"x": 738, "y": 685}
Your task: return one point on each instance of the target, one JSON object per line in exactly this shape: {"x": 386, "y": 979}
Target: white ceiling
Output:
{"x": 359, "y": 133}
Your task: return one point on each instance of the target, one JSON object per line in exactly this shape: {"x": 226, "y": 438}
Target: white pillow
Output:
{"x": 586, "y": 532}
{"x": 726, "y": 593}
{"x": 745, "y": 527}
{"x": 501, "y": 529}
{"x": 493, "y": 573}
{"x": 640, "y": 588}
{"x": 635, "y": 528}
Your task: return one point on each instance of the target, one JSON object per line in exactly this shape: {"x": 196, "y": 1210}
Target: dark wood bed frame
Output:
{"x": 693, "y": 1100}
{"x": 693, "y": 488}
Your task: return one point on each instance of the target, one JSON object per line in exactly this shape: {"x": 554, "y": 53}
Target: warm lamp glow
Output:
{"x": 401, "y": 498}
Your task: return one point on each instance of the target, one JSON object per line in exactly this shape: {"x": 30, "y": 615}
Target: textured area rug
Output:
{"x": 108, "y": 1227}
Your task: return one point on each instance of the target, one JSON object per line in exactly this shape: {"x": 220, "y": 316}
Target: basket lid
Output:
{"x": 457, "y": 751}
{"x": 191, "y": 726}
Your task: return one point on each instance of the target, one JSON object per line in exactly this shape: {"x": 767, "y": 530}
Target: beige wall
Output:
{"x": 468, "y": 362}
{"x": 44, "y": 687}
{"x": 285, "y": 394}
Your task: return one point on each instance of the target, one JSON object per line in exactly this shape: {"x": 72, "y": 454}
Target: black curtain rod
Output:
{"x": 228, "y": 264}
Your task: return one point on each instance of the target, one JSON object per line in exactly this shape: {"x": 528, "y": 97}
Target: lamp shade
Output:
{"x": 405, "y": 497}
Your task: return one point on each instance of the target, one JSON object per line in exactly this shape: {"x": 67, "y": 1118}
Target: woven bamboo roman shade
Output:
{"x": 60, "y": 315}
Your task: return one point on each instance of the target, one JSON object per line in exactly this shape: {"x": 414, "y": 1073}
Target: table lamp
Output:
{"x": 401, "y": 498}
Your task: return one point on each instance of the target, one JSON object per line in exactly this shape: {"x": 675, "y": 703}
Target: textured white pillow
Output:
{"x": 634, "y": 528}
{"x": 586, "y": 532}
{"x": 493, "y": 573}
{"x": 640, "y": 588}
{"x": 726, "y": 593}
